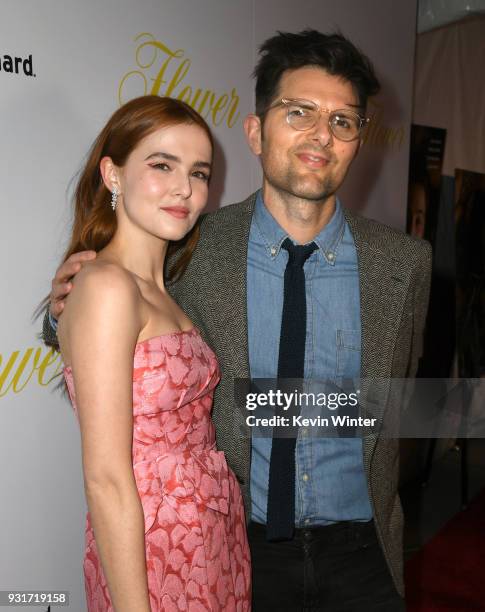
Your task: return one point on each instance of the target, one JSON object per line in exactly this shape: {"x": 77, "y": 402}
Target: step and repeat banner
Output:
{"x": 65, "y": 66}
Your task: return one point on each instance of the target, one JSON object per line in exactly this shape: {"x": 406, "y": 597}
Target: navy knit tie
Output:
{"x": 291, "y": 364}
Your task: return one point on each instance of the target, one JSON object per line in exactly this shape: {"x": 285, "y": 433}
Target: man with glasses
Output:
{"x": 288, "y": 285}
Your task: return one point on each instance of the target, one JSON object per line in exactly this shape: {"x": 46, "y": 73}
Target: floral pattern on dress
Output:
{"x": 197, "y": 554}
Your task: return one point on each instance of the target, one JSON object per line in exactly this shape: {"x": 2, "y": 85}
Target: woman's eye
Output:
{"x": 161, "y": 166}
{"x": 201, "y": 175}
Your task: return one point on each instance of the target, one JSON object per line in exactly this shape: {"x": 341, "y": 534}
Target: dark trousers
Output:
{"x": 336, "y": 568}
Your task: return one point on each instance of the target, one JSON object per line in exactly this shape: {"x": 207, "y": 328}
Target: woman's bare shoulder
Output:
{"x": 103, "y": 289}
{"x": 104, "y": 276}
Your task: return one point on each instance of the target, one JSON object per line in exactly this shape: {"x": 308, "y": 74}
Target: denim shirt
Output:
{"x": 330, "y": 482}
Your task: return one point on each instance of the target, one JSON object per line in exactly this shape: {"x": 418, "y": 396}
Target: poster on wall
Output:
{"x": 470, "y": 272}
{"x": 427, "y": 148}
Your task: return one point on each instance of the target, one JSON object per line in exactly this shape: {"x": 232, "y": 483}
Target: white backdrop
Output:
{"x": 86, "y": 56}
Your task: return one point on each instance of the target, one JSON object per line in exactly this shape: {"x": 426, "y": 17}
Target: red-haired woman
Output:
{"x": 165, "y": 528}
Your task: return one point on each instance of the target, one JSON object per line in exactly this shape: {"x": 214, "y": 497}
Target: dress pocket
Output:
{"x": 348, "y": 354}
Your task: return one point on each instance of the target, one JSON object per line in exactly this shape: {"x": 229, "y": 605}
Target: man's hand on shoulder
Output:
{"x": 61, "y": 283}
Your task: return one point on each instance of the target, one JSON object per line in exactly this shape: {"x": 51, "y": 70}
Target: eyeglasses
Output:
{"x": 302, "y": 115}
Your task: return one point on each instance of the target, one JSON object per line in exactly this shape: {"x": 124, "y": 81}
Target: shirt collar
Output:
{"x": 273, "y": 235}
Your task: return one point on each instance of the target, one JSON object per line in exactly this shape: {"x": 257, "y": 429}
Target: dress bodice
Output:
{"x": 174, "y": 376}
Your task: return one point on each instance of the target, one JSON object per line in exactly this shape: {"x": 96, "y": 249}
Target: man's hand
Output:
{"x": 61, "y": 284}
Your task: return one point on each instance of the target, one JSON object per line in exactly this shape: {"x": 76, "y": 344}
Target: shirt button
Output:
{"x": 331, "y": 256}
{"x": 273, "y": 250}
{"x": 307, "y": 521}
{"x": 304, "y": 431}
{"x": 305, "y": 477}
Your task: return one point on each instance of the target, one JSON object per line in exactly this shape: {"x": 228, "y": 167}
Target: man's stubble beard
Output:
{"x": 291, "y": 184}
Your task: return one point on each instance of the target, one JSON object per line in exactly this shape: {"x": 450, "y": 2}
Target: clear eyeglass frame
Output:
{"x": 315, "y": 112}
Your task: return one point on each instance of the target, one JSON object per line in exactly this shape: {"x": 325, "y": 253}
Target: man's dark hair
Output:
{"x": 332, "y": 52}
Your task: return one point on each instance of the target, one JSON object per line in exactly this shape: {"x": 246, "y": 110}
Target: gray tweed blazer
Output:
{"x": 394, "y": 271}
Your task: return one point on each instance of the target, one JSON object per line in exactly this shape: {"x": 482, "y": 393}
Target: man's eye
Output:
{"x": 343, "y": 122}
{"x": 298, "y": 111}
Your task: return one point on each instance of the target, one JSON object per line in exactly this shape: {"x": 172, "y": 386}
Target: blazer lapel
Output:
{"x": 384, "y": 283}
{"x": 226, "y": 305}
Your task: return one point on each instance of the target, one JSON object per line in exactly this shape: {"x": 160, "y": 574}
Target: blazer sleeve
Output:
{"x": 420, "y": 305}
{"x": 49, "y": 335}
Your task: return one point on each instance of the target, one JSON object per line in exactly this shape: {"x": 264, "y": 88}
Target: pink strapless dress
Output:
{"x": 197, "y": 554}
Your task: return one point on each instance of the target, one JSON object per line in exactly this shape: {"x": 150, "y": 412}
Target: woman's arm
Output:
{"x": 98, "y": 331}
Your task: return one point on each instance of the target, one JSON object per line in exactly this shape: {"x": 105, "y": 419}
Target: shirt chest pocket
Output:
{"x": 348, "y": 354}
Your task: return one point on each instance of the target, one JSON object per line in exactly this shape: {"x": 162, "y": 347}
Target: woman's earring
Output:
{"x": 114, "y": 198}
